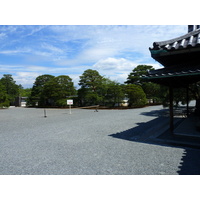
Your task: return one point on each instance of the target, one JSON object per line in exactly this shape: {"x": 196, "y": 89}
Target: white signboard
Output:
{"x": 70, "y": 102}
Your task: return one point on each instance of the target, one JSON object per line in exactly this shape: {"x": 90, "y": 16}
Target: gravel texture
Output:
{"x": 85, "y": 142}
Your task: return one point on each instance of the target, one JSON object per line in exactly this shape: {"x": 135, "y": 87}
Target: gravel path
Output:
{"x": 85, "y": 142}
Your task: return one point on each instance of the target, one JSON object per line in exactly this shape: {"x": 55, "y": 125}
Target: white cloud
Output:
{"x": 72, "y": 45}
{"x": 2, "y": 35}
{"x": 52, "y": 48}
{"x": 36, "y": 68}
{"x": 114, "y": 64}
{"x": 16, "y": 51}
{"x": 101, "y": 42}
{"x": 26, "y": 75}
{"x": 26, "y": 78}
{"x": 112, "y": 50}
{"x": 118, "y": 68}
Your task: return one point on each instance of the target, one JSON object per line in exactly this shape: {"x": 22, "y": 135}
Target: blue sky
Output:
{"x": 29, "y": 51}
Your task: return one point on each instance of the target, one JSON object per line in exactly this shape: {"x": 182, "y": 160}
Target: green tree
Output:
{"x": 91, "y": 79}
{"x": 57, "y": 89}
{"x": 11, "y": 88}
{"x": 135, "y": 77}
{"x": 4, "y": 102}
{"x": 37, "y": 92}
{"x": 49, "y": 90}
{"x": 113, "y": 92}
{"x": 152, "y": 90}
{"x": 91, "y": 87}
{"x": 24, "y": 92}
{"x": 136, "y": 95}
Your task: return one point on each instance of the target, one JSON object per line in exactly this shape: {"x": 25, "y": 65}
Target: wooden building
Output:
{"x": 181, "y": 60}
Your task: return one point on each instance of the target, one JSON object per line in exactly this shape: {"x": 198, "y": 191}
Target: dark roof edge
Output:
{"x": 170, "y": 76}
{"x": 176, "y": 39}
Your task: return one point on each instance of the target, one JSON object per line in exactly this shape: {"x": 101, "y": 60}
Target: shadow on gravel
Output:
{"x": 157, "y": 113}
{"x": 190, "y": 162}
{"x": 142, "y": 130}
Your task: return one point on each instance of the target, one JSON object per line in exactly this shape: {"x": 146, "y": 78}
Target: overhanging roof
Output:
{"x": 178, "y": 52}
{"x": 174, "y": 77}
{"x": 181, "y": 60}
{"x": 189, "y": 40}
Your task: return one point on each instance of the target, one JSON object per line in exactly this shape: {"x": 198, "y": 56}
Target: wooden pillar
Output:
{"x": 171, "y": 111}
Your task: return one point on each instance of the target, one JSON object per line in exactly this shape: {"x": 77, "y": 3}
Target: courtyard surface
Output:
{"x": 88, "y": 142}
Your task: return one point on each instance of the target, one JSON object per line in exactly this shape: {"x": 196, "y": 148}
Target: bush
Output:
{"x": 136, "y": 95}
{"x": 61, "y": 103}
{"x": 5, "y": 104}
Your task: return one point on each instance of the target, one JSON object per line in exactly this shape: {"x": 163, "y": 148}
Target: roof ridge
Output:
{"x": 162, "y": 43}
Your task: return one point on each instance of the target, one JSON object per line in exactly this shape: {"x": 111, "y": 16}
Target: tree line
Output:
{"x": 9, "y": 90}
{"x": 52, "y": 91}
{"x": 94, "y": 89}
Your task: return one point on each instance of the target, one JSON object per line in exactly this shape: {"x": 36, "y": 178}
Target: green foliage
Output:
{"x": 4, "y": 102}
{"x": 136, "y": 95}
{"x": 24, "y": 92}
{"x": 95, "y": 89}
{"x": 51, "y": 91}
{"x": 61, "y": 102}
{"x": 92, "y": 98}
{"x": 113, "y": 92}
{"x": 58, "y": 88}
{"x": 194, "y": 90}
{"x": 159, "y": 93}
{"x": 91, "y": 90}
{"x": 179, "y": 95}
{"x": 135, "y": 77}
{"x": 151, "y": 90}
{"x": 91, "y": 79}
{"x": 10, "y": 86}
{"x": 37, "y": 92}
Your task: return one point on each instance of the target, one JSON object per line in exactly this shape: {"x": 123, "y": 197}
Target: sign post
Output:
{"x": 70, "y": 102}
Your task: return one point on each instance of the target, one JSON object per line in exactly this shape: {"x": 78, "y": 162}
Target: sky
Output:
{"x": 27, "y": 51}
{"x": 67, "y": 48}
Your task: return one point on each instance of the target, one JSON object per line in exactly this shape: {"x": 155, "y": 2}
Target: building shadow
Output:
{"x": 148, "y": 133}
{"x": 157, "y": 113}
{"x": 190, "y": 163}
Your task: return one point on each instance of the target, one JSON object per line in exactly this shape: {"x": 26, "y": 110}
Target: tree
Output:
{"x": 37, "y": 92}
{"x": 152, "y": 90}
{"x": 57, "y": 89}
{"x": 11, "y": 88}
{"x": 4, "y": 102}
{"x": 91, "y": 87}
{"x": 136, "y": 95}
{"x": 135, "y": 77}
{"x": 113, "y": 92}
{"x": 24, "y": 92}
{"x": 91, "y": 79}
{"x": 49, "y": 90}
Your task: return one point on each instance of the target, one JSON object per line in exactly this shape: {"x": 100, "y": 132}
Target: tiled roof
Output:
{"x": 177, "y": 77}
{"x": 180, "y": 57}
{"x": 167, "y": 73}
{"x": 189, "y": 40}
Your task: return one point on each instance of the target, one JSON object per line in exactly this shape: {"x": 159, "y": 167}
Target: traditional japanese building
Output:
{"x": 181, "y": 60}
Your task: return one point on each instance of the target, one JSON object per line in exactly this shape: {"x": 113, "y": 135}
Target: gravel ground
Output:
{"x": 85, "y": 142}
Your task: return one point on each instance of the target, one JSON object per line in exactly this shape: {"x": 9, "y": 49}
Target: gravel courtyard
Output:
{"x": 85, "y": 142}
